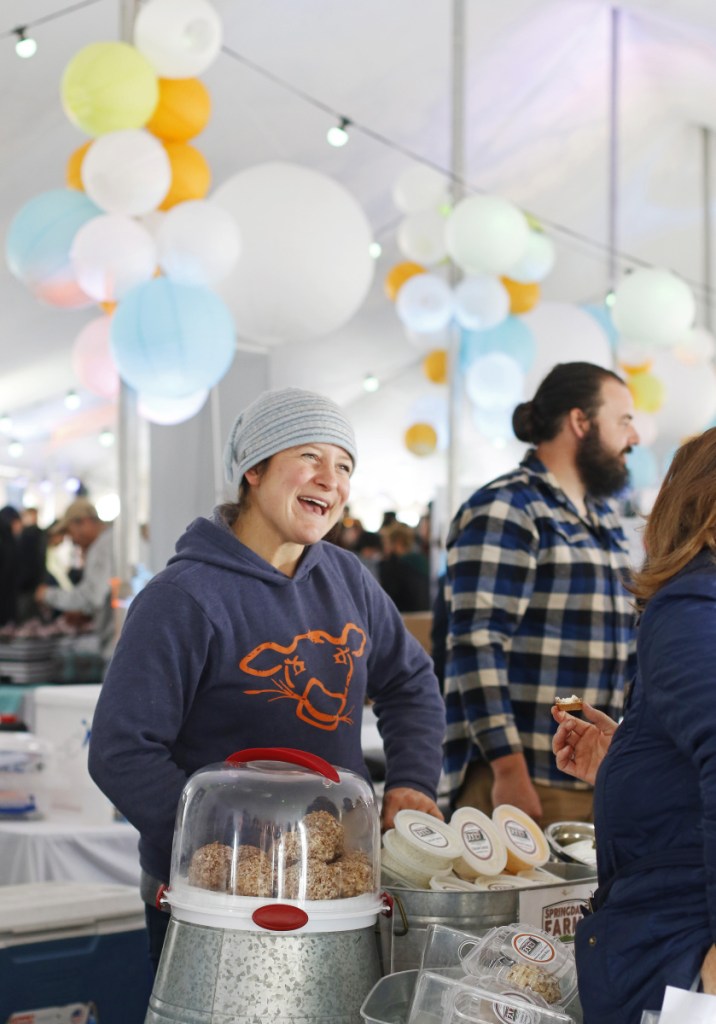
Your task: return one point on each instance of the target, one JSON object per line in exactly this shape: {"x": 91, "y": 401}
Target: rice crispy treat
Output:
{"x": 211, "y": 868}
{"x": 322, "y": 881}
{"x": 323, "y": 838}
{"x": 534, "y": 978}
{"x": 355, "y": 874}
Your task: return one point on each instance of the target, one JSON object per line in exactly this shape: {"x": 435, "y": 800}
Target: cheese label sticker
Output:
{"x": 533, "y": 948}
{"x": 514, "y": 1014}
{"x": 477, "y": 842}
{"x": 428, "y": 835}
{"x": 520, "y": 836}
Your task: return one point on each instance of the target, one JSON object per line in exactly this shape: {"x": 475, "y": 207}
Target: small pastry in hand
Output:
{"x": 573, "y": 703}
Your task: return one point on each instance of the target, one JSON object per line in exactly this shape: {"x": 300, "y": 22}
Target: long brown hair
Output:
{"x": 683, "y": 519}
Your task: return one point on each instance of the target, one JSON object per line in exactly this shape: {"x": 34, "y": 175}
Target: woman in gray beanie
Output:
{"x": 258, "y": 633}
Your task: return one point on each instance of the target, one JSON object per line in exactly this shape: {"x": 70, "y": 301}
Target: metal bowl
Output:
{"x": 561, "y": 833}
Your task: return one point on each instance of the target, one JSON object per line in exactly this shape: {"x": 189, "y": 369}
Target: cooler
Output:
{"x": 64, "y": 943}
{"x": 63, "y": 716}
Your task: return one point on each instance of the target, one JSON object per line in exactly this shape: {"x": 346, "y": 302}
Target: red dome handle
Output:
{"x": 288, "y": 755}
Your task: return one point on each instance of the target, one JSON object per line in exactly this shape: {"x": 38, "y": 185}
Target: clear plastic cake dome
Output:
{"x": 276, "y": 838}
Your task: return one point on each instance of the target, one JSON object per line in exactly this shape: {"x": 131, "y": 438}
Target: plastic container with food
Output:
{"x": 439, "y": 999}
{"x": 24, "y": 776}
{"x": 526, "y": 959}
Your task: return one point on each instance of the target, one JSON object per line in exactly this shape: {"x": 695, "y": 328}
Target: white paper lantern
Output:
{"x": 421, "y": 238}
{"x": 481, "y": 302}
{"x": 653, "y": 305}
{"x": 564, "y": 334}
{"x": 180, "y": 38}
{"x": 495, "y": 381}
{"x": 305, "y": 267}
{"x": 425, "y": 303}
{"x": 110, "y": 255}
{"x": 646, "y": 427}
{"x": 537, "y": 260}
{"x": 126, "y": 172}
{"x": 198, "y": 242}
{"x": 420, "y": 188}
{"x": 168, "y": 411}
{"x": 689, "y": 397}
{"x": 486, "y": 234}
{"x": 697, "y": 345}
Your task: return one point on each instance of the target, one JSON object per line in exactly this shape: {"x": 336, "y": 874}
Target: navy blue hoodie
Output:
{"x": 221, "y": 651}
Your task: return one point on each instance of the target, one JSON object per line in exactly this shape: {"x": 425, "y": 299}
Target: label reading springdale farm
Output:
{"x": 476, "y": 841}
{"x": 520, "y": 836}
{"x": 428, "y": 835}
{"x": 533, "y": 948}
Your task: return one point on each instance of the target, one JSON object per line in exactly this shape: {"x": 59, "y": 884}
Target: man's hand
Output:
{"x": 580, "y": 747}
{"x": 513, "y": 785}
{"x": 397, "y": 799}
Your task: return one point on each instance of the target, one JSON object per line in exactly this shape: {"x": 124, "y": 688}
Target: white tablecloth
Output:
{"x": 64, "y": 848}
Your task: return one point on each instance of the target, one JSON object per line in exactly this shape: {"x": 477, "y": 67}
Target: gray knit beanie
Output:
{"x": 280, "y": 419}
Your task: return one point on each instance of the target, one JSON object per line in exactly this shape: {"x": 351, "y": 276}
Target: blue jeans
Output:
{"x": 157, "y": 923}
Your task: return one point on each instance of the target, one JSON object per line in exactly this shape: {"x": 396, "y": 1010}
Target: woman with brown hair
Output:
{"x": 653, "y": 919}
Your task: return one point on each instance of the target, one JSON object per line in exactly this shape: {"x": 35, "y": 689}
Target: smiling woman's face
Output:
{"x": 301, "y": 493}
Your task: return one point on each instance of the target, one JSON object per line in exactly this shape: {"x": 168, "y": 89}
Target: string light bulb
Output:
{"x": 25, "y": 46}
{"x": 72, "y": 400}
{"x": 5, "y": 423}
{"x": 15, "y": 449}
{"x": 337, "y": 135}
{"x": 370, "y": 382}
{"x": 106, "y": 437}
{"x": 375, "y": 250}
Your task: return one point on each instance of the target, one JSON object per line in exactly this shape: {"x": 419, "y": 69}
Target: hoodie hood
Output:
{"x": 212, "y": 542}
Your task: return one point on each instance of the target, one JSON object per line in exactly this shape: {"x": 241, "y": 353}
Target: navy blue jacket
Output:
{"x": 656, "y": 796}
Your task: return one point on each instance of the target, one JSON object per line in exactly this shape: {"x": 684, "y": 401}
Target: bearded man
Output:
{"x": 537, "y": 608}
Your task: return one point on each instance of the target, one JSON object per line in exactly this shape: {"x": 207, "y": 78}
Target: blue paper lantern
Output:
{"x": 170, "y": 339}
{"x": 38, "y": 241}
{"x": 512, "y": 338}
{"x": 643, "y": 468}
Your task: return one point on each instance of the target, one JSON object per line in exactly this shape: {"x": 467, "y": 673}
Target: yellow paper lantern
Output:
{"x": 523, "y": 297}
{"x": 73, "y": 176}
{"x": 108, "y": 307}
{"x": 182, "y": 111}
{"x": 191, "y": 176}
{"x": 435, "y": 365}
{"x": 634, "y": 365}
{"x": 421, "y": 439}
{"x": 398, "y": 275}
{"x": 647, "y": 391}
{"x": 107, "y": 87}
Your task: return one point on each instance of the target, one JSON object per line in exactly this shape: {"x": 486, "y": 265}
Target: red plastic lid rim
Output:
{"x": 289, "y": 756}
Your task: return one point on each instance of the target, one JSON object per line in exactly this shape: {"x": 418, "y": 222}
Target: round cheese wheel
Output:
{"x": 483, "y": 851}
{"x": 524, "y": 839}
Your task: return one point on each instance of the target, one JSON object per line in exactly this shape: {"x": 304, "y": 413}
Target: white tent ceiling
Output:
{"x": 536, "y": 131}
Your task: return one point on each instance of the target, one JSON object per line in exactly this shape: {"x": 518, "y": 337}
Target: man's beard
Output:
{"x": 603, "y": 474}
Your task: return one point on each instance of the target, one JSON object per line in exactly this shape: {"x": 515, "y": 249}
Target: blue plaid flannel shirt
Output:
{"x": 537, "y": 610}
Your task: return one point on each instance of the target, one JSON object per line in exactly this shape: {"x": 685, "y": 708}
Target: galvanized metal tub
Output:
{"x": 472, "y": 912}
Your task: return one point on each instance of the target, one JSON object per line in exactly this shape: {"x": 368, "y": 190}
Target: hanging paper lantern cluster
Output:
{"x": 165, "y": 331}
{"x": 502, "y": 257}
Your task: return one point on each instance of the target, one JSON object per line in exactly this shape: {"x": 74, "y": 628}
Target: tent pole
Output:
{"x": 457, "y": 168}
{"x": 129, "y": 426}
{"x": 613, "y": 215}
{"x": 706, "y": 201}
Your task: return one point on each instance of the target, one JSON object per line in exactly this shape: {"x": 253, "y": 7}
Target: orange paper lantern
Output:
{"x": 421, "y": 439}
{"x": 183, "y": 109}
{"x": 435, "y": 365}
{"x": 191, "y": 176}
{"x": 73, "y": 176}
{"x": 108, "y": 307}
{"x": 523, "y": 297}
{"x": 398, "y": 275}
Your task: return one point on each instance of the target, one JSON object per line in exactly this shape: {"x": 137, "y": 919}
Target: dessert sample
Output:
{"x": 573, "y": 703}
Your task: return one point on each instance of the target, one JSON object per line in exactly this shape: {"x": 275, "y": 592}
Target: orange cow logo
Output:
{"x": 315, "y": 671}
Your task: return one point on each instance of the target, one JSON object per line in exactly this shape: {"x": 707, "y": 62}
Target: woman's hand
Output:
{"x": 580, "y": 747}
{"x": 708, "y": 972}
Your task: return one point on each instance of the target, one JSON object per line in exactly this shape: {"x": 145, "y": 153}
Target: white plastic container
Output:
{"x": 527, "y": 959}
{"x": 25, "y": 776}
{"x": 525, "y": 841}
{"x": 63, "y": 717}
{"x": 484, "y": 851}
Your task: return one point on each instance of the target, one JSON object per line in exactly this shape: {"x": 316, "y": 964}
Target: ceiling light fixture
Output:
{"x": 106, "y": 437}
{"x": 337, "y": 135}
{"x": 609, "y": 298}
{"x": 25, "y": 46}
{"x": 72, "y": 400}
{"x": 15, "y": 449}
{"x": 370, "y": 382}
{"x": 5, "y": 423}
{"x": 375, "y": 249}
